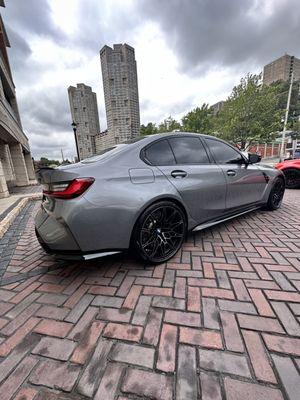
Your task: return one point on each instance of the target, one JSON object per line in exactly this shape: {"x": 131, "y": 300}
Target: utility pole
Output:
{"x": 62, "y": 155}
{"x": 286, "y": 118}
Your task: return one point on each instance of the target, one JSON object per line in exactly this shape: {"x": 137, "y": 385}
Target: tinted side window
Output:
{"x": 189, "y": 150}
{"x": 160, "y": 153}
{"x": 223, "y": 153}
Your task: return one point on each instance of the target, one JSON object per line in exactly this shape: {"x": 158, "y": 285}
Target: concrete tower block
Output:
{"x": 19, "y": 164}
{"x": 29, "y": 166}
{"x": 3, "y": 186}
{"x": 7, "y": 163}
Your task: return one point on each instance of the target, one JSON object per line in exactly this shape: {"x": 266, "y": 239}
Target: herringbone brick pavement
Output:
{"x": 219, "y": 321}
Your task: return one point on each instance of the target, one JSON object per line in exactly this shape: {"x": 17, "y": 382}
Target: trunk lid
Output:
{"x": 61, "y": 174}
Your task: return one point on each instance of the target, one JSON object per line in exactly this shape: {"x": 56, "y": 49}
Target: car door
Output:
{"x": 246, "y": 183}
{"x": 201, "y": 184}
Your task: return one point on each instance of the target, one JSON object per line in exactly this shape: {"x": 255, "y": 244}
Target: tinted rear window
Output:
{"x": 159, "y": 153}
{"x": 189, "y": 150}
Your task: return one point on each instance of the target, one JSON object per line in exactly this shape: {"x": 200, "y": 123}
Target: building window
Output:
{"x": 115, "y": 121}
{"x": 84, "y": 108}
{"x": 113, "y": 103}
{"x": 124, "y": 80}
{"x": 126, "y": 102}
{"x": 82, "y": 94}
{"x": 127, "y": 120}
{"x": 86, "y": 124}
{"x": 111, "y": 81}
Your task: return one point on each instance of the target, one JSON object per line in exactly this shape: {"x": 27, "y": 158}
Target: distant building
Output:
{"x": 16, "y": 167}
{"x": 281, "y": 69}
{"x": 103, "y": 141}
{"x": 120, "y": 83}
{"x": 84, "y": 110}
{"x": 217, "y": 107}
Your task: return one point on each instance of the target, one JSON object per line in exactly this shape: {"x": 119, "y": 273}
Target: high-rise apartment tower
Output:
{"x": 84, "y": 110}
{"x": 120, "y": 83}
{"x": 281, "y": 69}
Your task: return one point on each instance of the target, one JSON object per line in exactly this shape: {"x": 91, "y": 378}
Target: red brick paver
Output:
{"x": 219, "y": 321}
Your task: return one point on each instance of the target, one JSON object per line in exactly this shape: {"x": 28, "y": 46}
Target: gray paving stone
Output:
{"x": 133, "y": 354}
{"x": 222, "y": 361}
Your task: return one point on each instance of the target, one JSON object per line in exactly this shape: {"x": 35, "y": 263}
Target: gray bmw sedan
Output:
{"x": 148, "y": 193}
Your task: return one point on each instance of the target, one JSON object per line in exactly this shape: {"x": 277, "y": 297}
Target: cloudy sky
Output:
{"x": 188, "y": 52}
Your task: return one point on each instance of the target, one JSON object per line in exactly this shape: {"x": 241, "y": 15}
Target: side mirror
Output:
{"x": 254, "y": 158}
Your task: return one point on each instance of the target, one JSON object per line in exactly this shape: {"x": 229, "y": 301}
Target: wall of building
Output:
{"x": 120, "y": 83}
{"x": 84, "y": 110}
{"x": 266, "y": 150}
{"x": 14, "y": 146}
{"x": 281, "y": 69}
{"x": 104, "y": 140}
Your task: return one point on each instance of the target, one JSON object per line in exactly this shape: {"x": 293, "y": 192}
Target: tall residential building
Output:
{"x": 120, "y": 83}
{"x": 281, "y": 69}
{"x": 16, "y": 167}
{"x": 84, "y": 110}
{"x": 217, "y": 107}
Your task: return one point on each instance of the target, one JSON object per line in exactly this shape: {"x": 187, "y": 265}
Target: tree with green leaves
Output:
{"x": 200, "y": 119}
{"x": 149, "y": 129}
{"x": 250, "y": 114}
{"x": 169, "y": 125}
{"x": 282, "y": 89}
{"x": 45, "y": 161}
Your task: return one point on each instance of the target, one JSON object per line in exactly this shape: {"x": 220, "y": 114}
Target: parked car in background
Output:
{"x": 291, "y": 170}
{"x": 146, "y": 195}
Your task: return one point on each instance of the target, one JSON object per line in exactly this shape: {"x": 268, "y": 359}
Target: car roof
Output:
{"x": 167, "y": 134}
{"x": 152, "y": 138}
{"x": 137, "y": 144}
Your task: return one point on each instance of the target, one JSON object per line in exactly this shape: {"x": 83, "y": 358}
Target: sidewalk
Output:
{"x": 219, "y": 321}
{"x": 11, "y": 206}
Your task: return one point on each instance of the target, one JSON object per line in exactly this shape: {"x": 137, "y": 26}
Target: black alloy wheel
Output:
{"x": 292, "y": 178}
{"x": 276, "y": 195}
{"x": 160, "y": 232}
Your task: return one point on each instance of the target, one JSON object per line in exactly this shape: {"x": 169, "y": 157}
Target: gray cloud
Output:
{"x": 100, "y": 26}
{"x": 208, "y": 33}
{"x": 203, "y": 34}
{"x": 46, "y": 111}
{"x": 22, "y": 50}
{"x": 33, "y": 16}
{"x": 46, "y": 116}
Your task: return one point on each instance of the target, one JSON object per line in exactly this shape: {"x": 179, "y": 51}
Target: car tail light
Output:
{"x": 68, "y": 190}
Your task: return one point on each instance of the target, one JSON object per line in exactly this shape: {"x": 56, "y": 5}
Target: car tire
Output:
{"x": 292, "y": 178}
{"x": 276, "y": 195}
{"x": 159, "y": 232}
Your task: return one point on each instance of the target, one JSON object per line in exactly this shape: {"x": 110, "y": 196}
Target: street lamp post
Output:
{"x": 74, "y": 126}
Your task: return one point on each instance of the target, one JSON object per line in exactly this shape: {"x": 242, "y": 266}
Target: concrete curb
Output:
{"x": 8, "y": 220}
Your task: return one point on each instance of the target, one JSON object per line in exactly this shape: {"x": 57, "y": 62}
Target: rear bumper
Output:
{"x": 75, "y": 255}
{"x": 56, "y": 239}
{"x": 54, "y": 234}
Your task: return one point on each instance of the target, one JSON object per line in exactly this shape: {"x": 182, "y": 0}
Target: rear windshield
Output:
{"x": 110, "y": 151}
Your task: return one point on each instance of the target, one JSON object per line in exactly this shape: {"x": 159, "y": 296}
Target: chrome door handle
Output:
{"x": 178, "y": 174}
{"x": 230, "y": 172}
